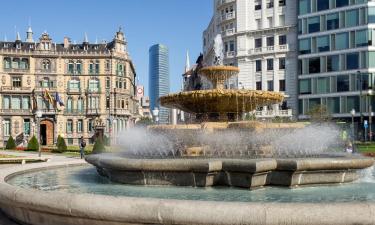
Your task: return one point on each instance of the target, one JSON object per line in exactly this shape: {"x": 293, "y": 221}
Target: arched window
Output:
{"x": 45, "y": 82}
{"x": 24, "y": 64}
{"x": 80, "y": 104}
{"x": 7, "y": 63}
{"x": 69, "y": 104}
{"x": 93, "y": 85}
{"x": 16, "y": 63}
{"x": 46, "y": 64}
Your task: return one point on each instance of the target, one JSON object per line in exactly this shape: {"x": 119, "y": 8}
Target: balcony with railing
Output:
{"x": 228, "y": 32}
{"x": 93, "y": 71}
{"x": 228, "y": 16}
{"x": 21, "y": 112}
{"x": 74, "y": 72}
{"x": 93, "y": 90}
{"x": 16, "y": 70}
{"x": 93, "y": 112}
{"x": 16, "y": 89}
{"x": 269, "y": 50}
{"x": 71, "y": 90}
{"x": 230, "y": 54}
{"x": 224, "y": 2}
{"x": 74, "y": 112}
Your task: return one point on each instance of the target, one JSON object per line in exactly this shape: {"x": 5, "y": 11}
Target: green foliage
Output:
{"x": 11, "y": 144}
{"x": 98, "y": 146}
{"x": 144, "y": 122}
{"x": 250, "y": 117}
{"x": 319, "y": 114}
{"x": 61, "y": 145}
{"x": 33, "y": 144}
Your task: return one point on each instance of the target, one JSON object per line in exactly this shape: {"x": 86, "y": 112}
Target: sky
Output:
{"x": 177, "y": 24}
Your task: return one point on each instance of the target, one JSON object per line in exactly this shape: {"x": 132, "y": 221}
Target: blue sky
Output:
{"x": 176, "y": 23}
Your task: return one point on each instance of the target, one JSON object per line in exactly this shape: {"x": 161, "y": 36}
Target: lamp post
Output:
{"x": 370, "y": 93}
{"x": 155, "y": 112}
{"x": 39, "y": 115}
{"x": 359, "y": 75}
{"x": 352, "y": 112}
{"x": 3, "y": 134}
{"x": 114, "y": 128}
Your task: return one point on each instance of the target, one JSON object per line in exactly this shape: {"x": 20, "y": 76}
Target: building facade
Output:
{"x": 336, "y": 56}
{"x": 73, "y": 85}
{"x": 260, "y": 38}
{"x": 159, "y": 79}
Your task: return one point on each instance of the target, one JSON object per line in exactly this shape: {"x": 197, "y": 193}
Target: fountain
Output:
{"x": 192, "y": 159}
{"x": 151, "y": 180}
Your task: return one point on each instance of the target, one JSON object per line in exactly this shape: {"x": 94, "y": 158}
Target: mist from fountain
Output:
{"x": 311, "y": 141}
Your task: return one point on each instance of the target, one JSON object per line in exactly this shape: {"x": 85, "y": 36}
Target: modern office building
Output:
{"x": 336, "y": 56}
{"x": 72, "y": 85}
{"x": 260, "y": 38}
{"x": 159, "y": 79}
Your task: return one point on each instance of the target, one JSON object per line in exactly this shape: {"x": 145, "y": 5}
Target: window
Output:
{"x": 69, "y": 126}
{"x": 107, "y": 65}
{"x": 46, "y": 65}
{"x": 74, "y": 85}
{"x": 304, "y": 7}
{"x": 258, "y": 65}
{"x": 314, "y": 24}
{"x": 343, "y": 83}
{"x": 322, "y": 85}
{"x": 269, "y": 4}
{"x": 341, "y": 3}
{"x": 322, "y": 43}
{"x": 314, "y": 65}
{"x": 26, "y": 127}
{"x": 282, "y": 40}
{"x": 16, "y": 102}
{"x": 26, "y": 102}
{"x": 94, "y": 85}
{"x": 323, "y": 5}
{"x": 352, "y": 61}
{"x": 69, "y": 105}
{"x": 7, "y": 63}
{"x": 107, "y": 103}
{"x": 258, "y": 4}
{"x": 7, "y": 127}
{"x": 71, "y": 67}
{"x": 361, "y": 38}
{"x": 282, "y": 63}
{"x": 258, "y": 23}
{"x": 371, "y": 15}
{"x": 16, "y": 82}
{"x": 342, "y": 41}
{"x": 352, "y": 102}
{"x": 90, "y": 126}
{"x": 259, "y": 85}
{"x": 305, "y": 86}
{"x": 270, "y": 41}
{"x": 108, "y": 83}
{"x": 79, "y": 68}
{"x": 333, "y": 105}
{"x": 333, "y": 63}
{"x": 282, "y": 20}
{"x": 270, "y": 22}
{"x": 270, "y": 85}
{"x": 281, "y": 2}
{"x": 332, "y": 21}
{"x": 352, "y": 18}
{"x": 305, "y": 46}
{"x": 231, "y": 46}
{"x": 6, "y": 102}
{"x": 79, "y": 126}
{"x": 45, "y": 82}
{"x": 258, "y": 43}
{"x": 269, "y": 64}
{"x": 281, "y": 85}
{"x": 80, "y": 105}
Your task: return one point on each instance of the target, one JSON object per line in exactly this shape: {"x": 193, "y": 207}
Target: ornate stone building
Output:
{"x": 92, "y": 80}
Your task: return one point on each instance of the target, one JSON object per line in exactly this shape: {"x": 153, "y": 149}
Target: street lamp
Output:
{"x": 155, "y": 112}
{"x": 39, "y": 115}
{"x": 370, "y": 93}
{"x": 352, "y": 112}
{"x": 114, "y": 128}
{"x": 3, "y": 134}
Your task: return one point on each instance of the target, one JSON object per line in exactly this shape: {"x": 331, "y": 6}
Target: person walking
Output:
{"x": 82, "y": 145}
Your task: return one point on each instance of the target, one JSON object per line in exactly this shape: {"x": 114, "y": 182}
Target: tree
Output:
{"x": 61, "y": 145}
{"x": 144, "y": 122}
{"x": 98, "y": 146}
{"x": 319, "y": 114}
{"x": 33, "y": 144}
{"x": 10, "y": 143}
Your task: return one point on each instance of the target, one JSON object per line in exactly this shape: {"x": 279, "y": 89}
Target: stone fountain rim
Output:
{"x": 219, "y": 68}
{"x": 44, "y": 208}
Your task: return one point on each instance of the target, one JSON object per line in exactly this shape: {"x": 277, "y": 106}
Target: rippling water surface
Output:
{"x": 84, "y": 179}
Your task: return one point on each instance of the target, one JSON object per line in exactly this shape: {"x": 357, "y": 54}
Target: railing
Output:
{"x": 74, "y": 111}
{"x": 16, "y": 111}
{"x": 93, "y": 72}
{"x": 231, "y": 54}
{"x": 93, "y": 91}
{"x": 92, "y": 111}
{"x": 10, "y": 88}
{"x": 120, "y": 73}
{"x": 74, "y": 72}
{"x": 16, "y": 70}
{"x": 50, "y": 89}
{"x": 228, "y": 16}
{"x": 74, "y": 90}
{"x": 43, "y": 71}
{"x": 269, "y": 49}
{"x": 121, "y": 112}
{"x": 228, "y": 32}
{"x": 273, "y": 113}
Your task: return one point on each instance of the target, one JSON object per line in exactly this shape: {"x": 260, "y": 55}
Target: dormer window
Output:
{"x": 46, "y": 64}
{"x": 18, "y": 46}
{"x": 46, "y": 46}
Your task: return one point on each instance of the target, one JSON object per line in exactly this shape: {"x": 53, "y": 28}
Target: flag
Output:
{"x": 58, "y": 99}
{"x": 48, "y": 97}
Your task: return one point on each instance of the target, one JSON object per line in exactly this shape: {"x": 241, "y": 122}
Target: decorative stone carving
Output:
{"x": 3, "y": 80}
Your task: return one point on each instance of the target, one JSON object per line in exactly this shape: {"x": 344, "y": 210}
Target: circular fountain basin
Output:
{"x": 36, "y": 194}
{"x": 244, "y": 173}
{"x": 220, "y": 100}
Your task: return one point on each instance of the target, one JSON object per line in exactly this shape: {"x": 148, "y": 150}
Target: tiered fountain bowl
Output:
{"x": 219, "y": 103}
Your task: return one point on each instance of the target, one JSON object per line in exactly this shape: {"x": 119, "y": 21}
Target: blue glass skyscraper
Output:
{"x": 159, "y": 79}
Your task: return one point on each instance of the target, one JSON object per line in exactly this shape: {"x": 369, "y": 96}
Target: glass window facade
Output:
{"x": 305, "y": 86}
{"x": 322, "y": 5}
{"x": 332, "y": 21}
{"x": 322, "y": 43}
{"x": 352, "y": 18}
{"x": 314, "y": 24}
{"x": 371, "y": 15}
{"x": 341, "y": 3}
{"x": 304, "y": 6}
{"x": 333, "y": 63}
{"x": 314, "y": 65}
{"x": 361, "y": 38}
{"x": 352, "y": 61}
{"x": 343, "y": 83}
{"x": 342, "y": 41}
{"x": 305, "y": 46}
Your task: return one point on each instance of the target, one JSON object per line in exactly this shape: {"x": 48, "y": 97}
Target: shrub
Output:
{"x": 33, "y": 144}
{"x": 10, "y": 143}
{"x": 98, "y": 146}
{"x": 61, "y": 145}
